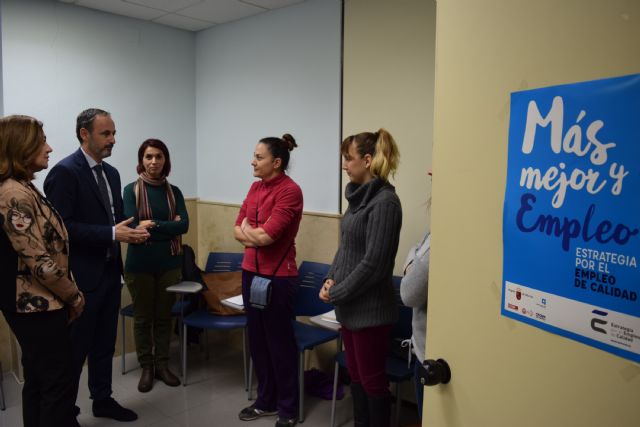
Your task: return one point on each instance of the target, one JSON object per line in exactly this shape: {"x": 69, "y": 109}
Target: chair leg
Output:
{"x": 247, "y": 364}
{"x": 184, "y": 355}
{"x": 301, "y": 387}
{"x": 206, "y": 344}
{"x": 3, "y": 404}
{"x": 244, "y": 360}
{"x": 180, "y": 330}
{"x": 123, "y": 327}
{"x": 250, "y": 378}
{"x": 335, "y": 392}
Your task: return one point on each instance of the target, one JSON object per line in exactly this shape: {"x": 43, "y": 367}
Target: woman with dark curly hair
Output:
{"x": 38, "y": 296}
{"x": 267, "y": 226}
{"x": 157, "y": 263}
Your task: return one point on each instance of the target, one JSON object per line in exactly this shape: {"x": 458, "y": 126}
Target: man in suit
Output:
{"x": 86, "y": 192}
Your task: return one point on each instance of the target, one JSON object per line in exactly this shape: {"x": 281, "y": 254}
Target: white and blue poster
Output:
{"x": 571, "y": 226}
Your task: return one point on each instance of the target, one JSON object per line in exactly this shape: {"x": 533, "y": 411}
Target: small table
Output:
{"x": 182, "y": 289}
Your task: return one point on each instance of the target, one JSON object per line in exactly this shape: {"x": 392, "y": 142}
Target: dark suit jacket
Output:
{"x": 72, "y": 189}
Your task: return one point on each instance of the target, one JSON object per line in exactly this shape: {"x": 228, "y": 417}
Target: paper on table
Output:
{"x": 237, "y": 301}
{"x": 329, "y": 317}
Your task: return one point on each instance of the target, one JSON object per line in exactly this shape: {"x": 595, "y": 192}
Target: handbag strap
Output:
{"x": 283, "y": 256}
{"x": 279, "y": 264}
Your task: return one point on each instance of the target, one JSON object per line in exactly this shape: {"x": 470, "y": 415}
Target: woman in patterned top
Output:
{"x": 38, "y": 296}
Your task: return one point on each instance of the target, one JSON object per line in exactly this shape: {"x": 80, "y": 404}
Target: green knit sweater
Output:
{"x": 155, "y": 254}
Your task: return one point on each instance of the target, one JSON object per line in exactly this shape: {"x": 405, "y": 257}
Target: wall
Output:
{"x": 388, "y": 82}
{"x": 266, "y": 75}
{"x": 60, "y": 59}
{"x": 505, "y": 372}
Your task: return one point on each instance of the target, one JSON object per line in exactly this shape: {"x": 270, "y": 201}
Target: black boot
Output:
{"x": 380, "y": 411}
{"x": 360, "y": 406}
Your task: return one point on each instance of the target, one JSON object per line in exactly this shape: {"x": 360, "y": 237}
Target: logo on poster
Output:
{"x": 597, "y": 322}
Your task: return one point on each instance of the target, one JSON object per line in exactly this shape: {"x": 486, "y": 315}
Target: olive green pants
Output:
{"x": 152, "y": 314}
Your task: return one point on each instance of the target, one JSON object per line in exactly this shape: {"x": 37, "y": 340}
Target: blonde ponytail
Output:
{"x": 386, "y": 158}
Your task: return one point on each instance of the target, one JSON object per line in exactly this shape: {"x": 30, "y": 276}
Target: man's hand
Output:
{"x": 145, "y": 224}
{"x": 130, "y": 235}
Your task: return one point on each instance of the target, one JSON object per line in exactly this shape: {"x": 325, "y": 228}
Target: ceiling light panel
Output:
{"x": 271, "y": 4}
{"x": 166, "y": 5}
{"x": 122, "y": 8}
{"x": 183, "y": 22}
{"x": 220, "y": 11}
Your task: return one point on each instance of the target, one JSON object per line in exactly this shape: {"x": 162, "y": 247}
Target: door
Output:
{"x": 504, "y": 372}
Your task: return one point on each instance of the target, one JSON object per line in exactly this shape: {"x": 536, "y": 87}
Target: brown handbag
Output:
{"x": 221, "y": 286}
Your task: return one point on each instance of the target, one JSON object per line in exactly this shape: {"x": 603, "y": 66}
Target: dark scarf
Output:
{"x": 144, "y": 208}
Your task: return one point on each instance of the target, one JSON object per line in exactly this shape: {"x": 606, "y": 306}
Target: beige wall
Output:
{"x": 5, "y": 345}
{"x": 505, "y": 372}
{"x": 317, "y": 238}
{"x": 389, "y": 54}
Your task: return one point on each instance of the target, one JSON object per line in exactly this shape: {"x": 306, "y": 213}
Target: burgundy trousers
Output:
{"x": 366, "y": 351}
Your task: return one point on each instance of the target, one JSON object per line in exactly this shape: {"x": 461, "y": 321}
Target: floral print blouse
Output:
{"x": 37, "y": 234}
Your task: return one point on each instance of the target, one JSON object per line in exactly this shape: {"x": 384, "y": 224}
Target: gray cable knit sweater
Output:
{"x": 362, "y": 268}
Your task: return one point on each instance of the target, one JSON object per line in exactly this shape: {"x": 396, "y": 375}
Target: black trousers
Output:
{"x": 48, "y": 392}
{"x": 93, "y": 334}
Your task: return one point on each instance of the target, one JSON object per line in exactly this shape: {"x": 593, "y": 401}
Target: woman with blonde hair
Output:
{"x": 38, "y": 296}
{"x": 359, "y": 283}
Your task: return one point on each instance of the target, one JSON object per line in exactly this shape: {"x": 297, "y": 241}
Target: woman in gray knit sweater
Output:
{"x": 359, "y": 282}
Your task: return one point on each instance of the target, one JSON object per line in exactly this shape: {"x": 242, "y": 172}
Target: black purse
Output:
{"x": 260, "y": 290}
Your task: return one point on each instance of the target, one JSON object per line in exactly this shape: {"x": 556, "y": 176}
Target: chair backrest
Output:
{"x": 223, "y": 261}
{"x": 307, "y": 302}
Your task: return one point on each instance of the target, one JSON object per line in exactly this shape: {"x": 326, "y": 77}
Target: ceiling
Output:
{"x": 192, "y": 15}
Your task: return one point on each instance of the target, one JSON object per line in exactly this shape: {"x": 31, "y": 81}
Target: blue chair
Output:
{"x": 218, "y": 262}
{"x": 307, "y": 303}
{"x": 398, "y": 369}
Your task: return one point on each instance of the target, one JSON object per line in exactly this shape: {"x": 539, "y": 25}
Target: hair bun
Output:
{"x": 290, "y": 140}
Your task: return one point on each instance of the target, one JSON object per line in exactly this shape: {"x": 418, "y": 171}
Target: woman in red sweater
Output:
{"x": 267, "y": 226}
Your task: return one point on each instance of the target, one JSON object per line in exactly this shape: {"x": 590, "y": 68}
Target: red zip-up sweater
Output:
{"x": 277, "y": 205}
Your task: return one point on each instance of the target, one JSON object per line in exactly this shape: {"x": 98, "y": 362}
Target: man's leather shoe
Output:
{"x": 146, "y": 379}
{"x": 109, "y": 408}
{"x": 166, "y": 376}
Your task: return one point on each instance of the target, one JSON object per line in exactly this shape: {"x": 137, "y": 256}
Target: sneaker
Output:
{"x": 286, "y": 422}
{"x": 251, "y": 413}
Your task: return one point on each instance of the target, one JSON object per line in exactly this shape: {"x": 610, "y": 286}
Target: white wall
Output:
{"x": 264, "y": 76}
{"x": 59, "y": 59}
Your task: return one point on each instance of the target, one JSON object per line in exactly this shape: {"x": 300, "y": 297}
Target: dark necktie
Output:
{"x": 104, "y": 193}
{"x": 102, "y": 186}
